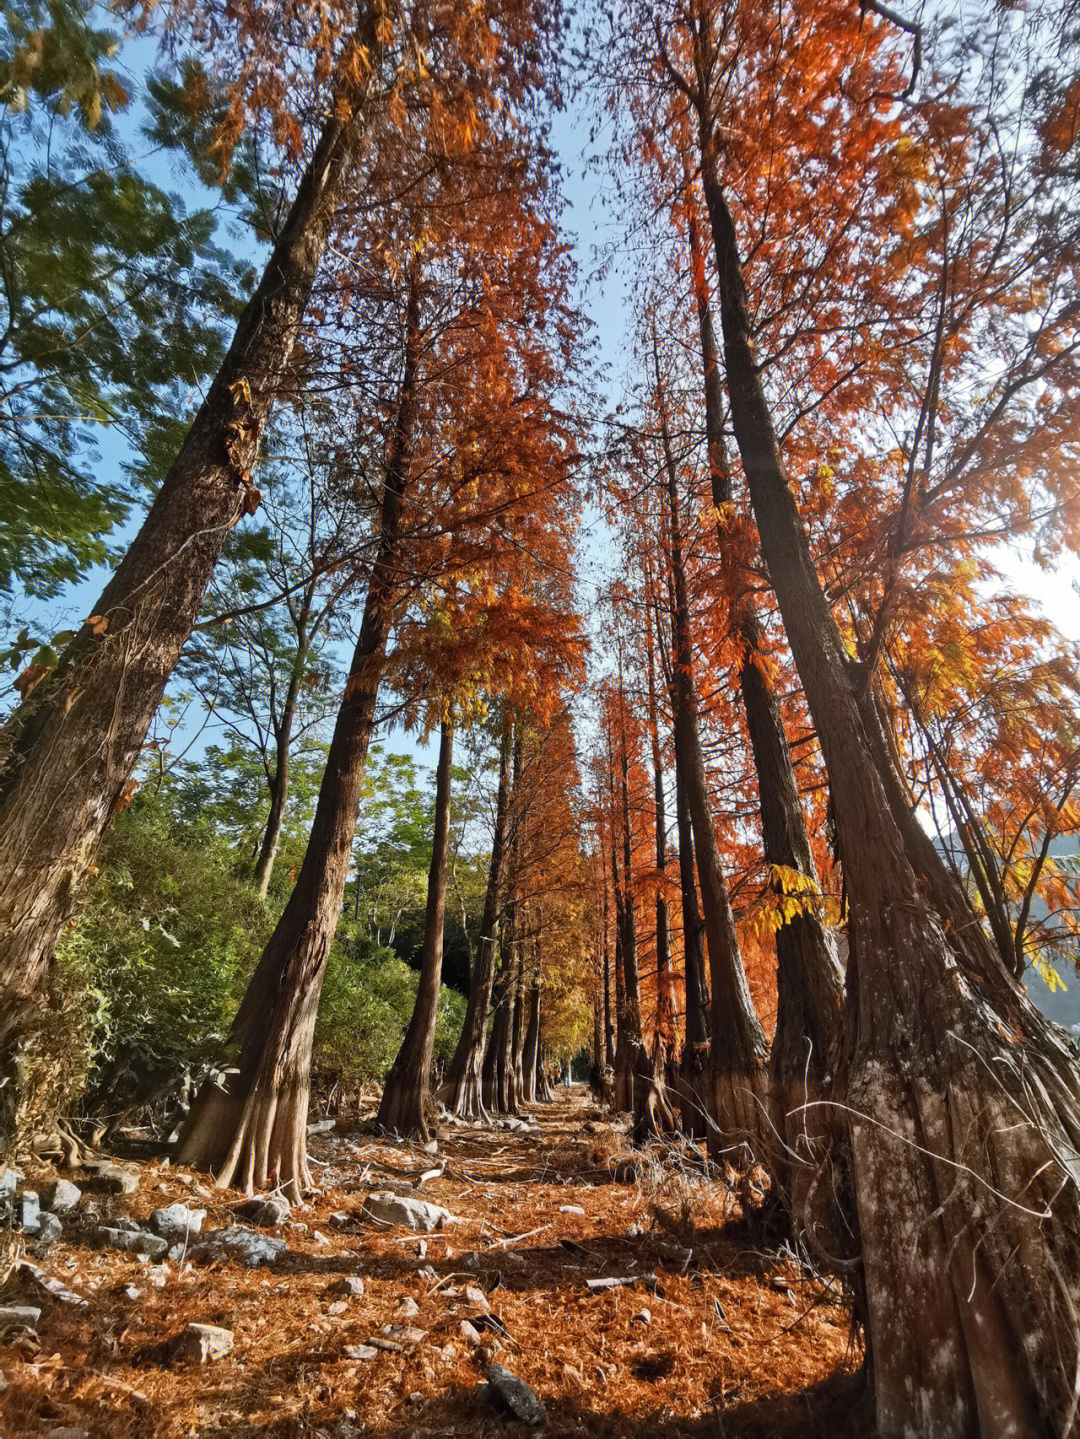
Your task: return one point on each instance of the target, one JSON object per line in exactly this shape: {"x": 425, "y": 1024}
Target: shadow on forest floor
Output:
{"x": 710, "y": 1336}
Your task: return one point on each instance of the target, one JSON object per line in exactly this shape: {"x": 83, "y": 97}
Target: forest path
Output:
{"x": 710, "y": 1337}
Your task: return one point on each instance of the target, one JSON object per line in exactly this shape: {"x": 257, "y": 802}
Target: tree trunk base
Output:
{"x": 740, "y": 1134}
{"x": 653, "y": 1114}
{"x": 463, "y": 1098}
{"x": 623, "y": 1092}
{"x": 693, "y": 1093}
{"x": 806, "y": 1179}
{"x": 966, "y": 1181}
{"x": 403, "y": 1110}
{"x": 254, "y": 1143}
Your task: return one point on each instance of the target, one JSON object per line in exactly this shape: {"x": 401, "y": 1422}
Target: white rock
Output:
{"x": 25, "y": 1314}
{"x": 387, "y": 1208}
{"x": 268, "y": 1211}
{"x": 177, "y": 1222}
{"x": 243, "y": 1246}
{"x": 62, "y": 1195}
{"x": 360, "y": 1351}
{"x": 203, "y": 1343}
{"x": 133, "y": 1241}
{"x": 351, "y": 1285}
{"x": 9, "y": 1180}
{"x": 53, "y": 1287}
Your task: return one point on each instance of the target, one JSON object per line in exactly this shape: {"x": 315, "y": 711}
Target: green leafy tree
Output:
{"x": 112, "y": 302}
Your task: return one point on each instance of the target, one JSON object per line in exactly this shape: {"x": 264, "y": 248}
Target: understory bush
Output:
{"x": 157, "y": 960}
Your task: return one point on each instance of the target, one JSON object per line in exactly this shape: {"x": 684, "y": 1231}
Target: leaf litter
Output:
{"x": 737, "y": 1342}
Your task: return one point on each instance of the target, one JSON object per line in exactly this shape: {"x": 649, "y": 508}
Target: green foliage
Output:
{"x": 162, "y": 950}
{"x": 367, "y": 1001}
{"x": 111, "y": 300}
{"x": 115, "y": 302}
{"x": 393, "y": 845}
{"x": 52, "y": 55}
{"x": 172, "y": 930}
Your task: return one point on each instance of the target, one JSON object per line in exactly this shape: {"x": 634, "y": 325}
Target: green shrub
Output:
{"x": 159, "y": 958}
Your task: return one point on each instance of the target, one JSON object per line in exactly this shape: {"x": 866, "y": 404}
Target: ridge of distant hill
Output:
{"x": 1060, "y": 1005}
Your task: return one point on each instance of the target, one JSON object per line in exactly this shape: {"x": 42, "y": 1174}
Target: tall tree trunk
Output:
{"x": 624, "y": 1057}
{"x": 461, "y": 1091}
{"x": 609, "y": 1036}
{"x": 694, "y": 1098}
{"x": 809, "y": 982}
{"x": 70, "y": 748}
{"x": 692, "y": 1080}
{"x": 517, "y": 1042}
{"x": 596, "y": 1078}
{"x": 279, "y": 794}
{"x": 496, "y": 1092}
{"x": 406, "y": 1096}
{"x": 489, "y": 1073}
{"x": 530, "y": 1061}
{"x": 279, "y": 782}
{"x": 254, "y": 1129}
{"x": 964, "y": 1103}
{"x": 737, "y": 1045}
{"x": 666, "y": 1007}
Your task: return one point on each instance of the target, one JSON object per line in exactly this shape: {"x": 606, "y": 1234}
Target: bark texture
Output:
{"x": 693, "y": 1095}
{"x": 283, "y": 733}
{"x": 462, "y": 1089}
{"x": 809, "y": 981}
{"x": 253, "y": 1131}
{"x": 69, "y": 750}
{"x": 962, "y": 1101}
{"x": 531, "y": 1054}
{"x": 406, "y": 1096}
{"x": 737, "y": 1045}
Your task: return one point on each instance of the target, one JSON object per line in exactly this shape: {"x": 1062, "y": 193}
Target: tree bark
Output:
{"x": 406, "y": 1096}
{"x": 496, "y": 1092}
{"x": 254, "y": 1130}
{"x": 609, "y": 1041}
{"x": 279, "y": 782}
{"x": 809, "y": 982}
{"x": 694, "y": 1099}
{"x": 462, "y": 1090}
{"x": 963, "y": 1102}
{"x": 531, "y": 1056}
{"x": 517, "y": 1033}
{"x": 624, "y": 1060}
{"x": 70, "y": 748}
{"x": 666, "y": 1007}
{"x": 737, "y": 1044}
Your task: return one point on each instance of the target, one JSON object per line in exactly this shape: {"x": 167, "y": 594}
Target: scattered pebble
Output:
{"x": 514, "y": 1394}
{"x": 203, "y": 1343}
{"x": 360, "y": 1351}
{"x": 385, "y": 1207}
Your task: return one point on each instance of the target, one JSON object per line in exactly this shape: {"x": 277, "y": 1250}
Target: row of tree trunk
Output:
{"x": 935, "y": 1108}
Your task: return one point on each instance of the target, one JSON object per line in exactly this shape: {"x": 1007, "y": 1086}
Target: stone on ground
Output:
{"x": 515, "y": 1395}
{"x": 269, "y": 1211}
{"x": 177, "y": 1222}
{"x": 62, "y": 1195}
{"x": 243, "y": 1246}
{"x": 385, "y": 1207}
{"x": 203, "y": 1343}
{"x": 132, "y": 1240}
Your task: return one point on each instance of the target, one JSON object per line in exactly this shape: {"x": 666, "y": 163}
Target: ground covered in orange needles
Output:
{"x": 713, "y": 1336}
